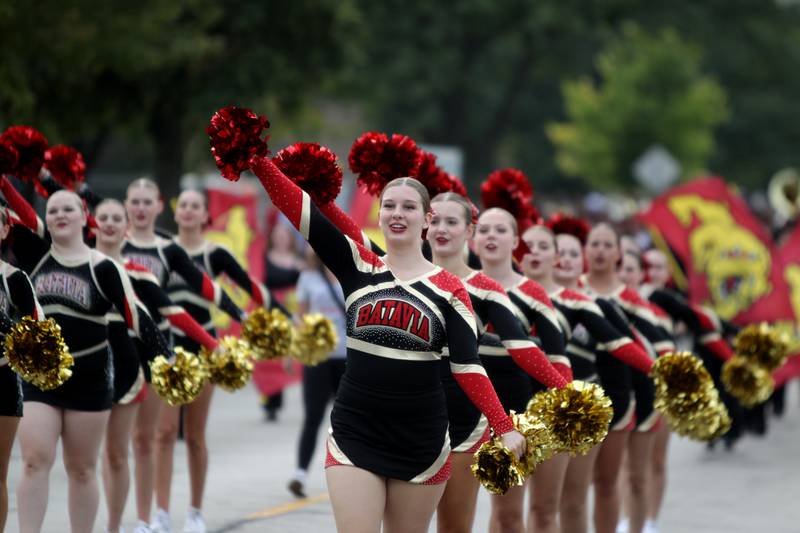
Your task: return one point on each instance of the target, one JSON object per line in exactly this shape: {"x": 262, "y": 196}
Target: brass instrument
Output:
{"x": 784, "y": 193}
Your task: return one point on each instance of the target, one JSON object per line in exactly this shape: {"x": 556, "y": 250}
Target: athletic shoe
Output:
{"x": 142, "y": 527}
{"x": 622, "y": 526}
{"x": 650, "y": 527}
{"x": 194, "y": 522}
{"x": 161, "y": 522}
{"x": 296, "y": 488}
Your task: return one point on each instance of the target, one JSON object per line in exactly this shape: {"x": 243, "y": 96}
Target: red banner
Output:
{"x": 724, "y": 255}
{"x": 234, "y": 224}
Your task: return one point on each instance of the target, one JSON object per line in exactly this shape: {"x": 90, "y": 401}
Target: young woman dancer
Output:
{"x": 389, "y": 447}
{"x": 603, "y": 256}
{"x": 130, "y": 356}
{"x": 582, "y": 318}
{"x": 77, "y": 287}
{"x": 191, "y": 216}
{"x": 506, "y": 352}
{"x": 451, "y": 227}
{"x": 17, "y": 298}
{"x": 162, "y": 257}
{"x": 495, "y": 240}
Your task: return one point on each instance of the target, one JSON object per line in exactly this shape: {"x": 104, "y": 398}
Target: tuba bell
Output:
{"x": 784, "y": 193}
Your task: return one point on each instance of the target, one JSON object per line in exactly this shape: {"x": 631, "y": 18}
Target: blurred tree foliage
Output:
{"x": 484, "y": 75}
{"x": 650, "y": 91}
{"x": 84, "y": 69}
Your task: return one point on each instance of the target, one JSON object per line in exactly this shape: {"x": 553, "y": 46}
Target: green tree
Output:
{"x": 88, "y": 71}
{"x": 651, "y": 91}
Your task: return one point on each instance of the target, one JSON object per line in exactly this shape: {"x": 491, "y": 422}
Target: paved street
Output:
{"x": 754, "y": 488}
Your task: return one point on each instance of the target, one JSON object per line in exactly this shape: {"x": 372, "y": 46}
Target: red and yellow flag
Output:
{"x": 723, "y": 256}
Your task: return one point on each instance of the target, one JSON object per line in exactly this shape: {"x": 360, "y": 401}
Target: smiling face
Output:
{"x": 602, "y": 249}
{"x": 495, "y": 236}
{"x": 112, "y": 223}
{"x": 570, "y": 259}
{"x": 448, "y": 230}
{"x": 143, "y": 204}
{"x": 191, "y": 212}
{"x": 64, "y": 216}
{"x": 402, "y": 215}
{"x": 541, "y": 258}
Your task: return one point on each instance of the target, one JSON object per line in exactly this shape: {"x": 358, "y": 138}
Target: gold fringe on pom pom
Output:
{"x": 314, "y": 340}
{"x": 231, "y": 365}
{"x": 578, "y": 415}
{"x": 269, "y": 333}
{"x": 179, "y": 382}
{"x": 686, "y": 396}
{"x": 746, "y": 381}
{"x": 540, "y": 445}
{"x": 37, "y": 352}
{"x": 762, "y": 345}
{"x": 497, "y": 468}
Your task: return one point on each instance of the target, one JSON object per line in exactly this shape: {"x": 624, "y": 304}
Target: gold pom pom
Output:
{"x": 314, "y": 340}
{"x": 683, "y": 385}
{"x": 540, "y": 445}
{"x": 497, "y": 468}
{"x": 269, "y": 333}
{"x": 181, "y": 381}
{"x": 686, "y": 396}
{"x": 578, "y": 415}
{"x": 230, "y": 366}
{"x": 748, "y": 382}
{"x": 37, "y": 352}
{"x": 762, "y": 345}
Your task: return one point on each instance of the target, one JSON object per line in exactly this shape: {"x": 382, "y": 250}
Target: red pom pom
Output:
{"x": 458, "y": 187}
{"x": 30, "y": 145}
{"x": 313, "y": 168}
{"x": 378, "y": 159}
{"x": 561, "y": 223}
{"x": 431, "y": 176}
{"x": 510, "y": 189}
{"x": 235, "y": 136}
{"x": 8, "y": 157}
{"x": 66, "y": 165}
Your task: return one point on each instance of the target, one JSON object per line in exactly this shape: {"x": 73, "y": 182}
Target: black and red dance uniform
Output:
{"x": 17, "y": 299}
{"x": 79, "y": 294}
{"x": 648, "y": 327}
{"x": 601, "y": 349}
{"x": 390, "y": 415}
{"x": 131, "y": 355}
{"x": 510, "y": 360}
{"x": 160, "y": 256}
{"x": 532, "y": 307}
{"x": 705, "y": 326}
{"x": 213, "y": 260}
{"x": 508, "y": 354}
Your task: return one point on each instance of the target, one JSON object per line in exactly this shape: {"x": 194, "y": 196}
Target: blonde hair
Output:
{"x": 451, "y": 196}
{"x": 424, "y": 196}
{"x": 73, "y": 195}
{"x": 512, "y": 220}
{"x": 146, "y": 183}
{"x": 111, "y": 201}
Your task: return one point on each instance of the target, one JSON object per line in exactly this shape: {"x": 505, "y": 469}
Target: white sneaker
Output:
{"x": 650, "y": 527}
{"x": 142, "y": 527}
{"x": 194, "y": 522}
{"x": 622, "y": 525}
{"x": 161, "y": 522}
